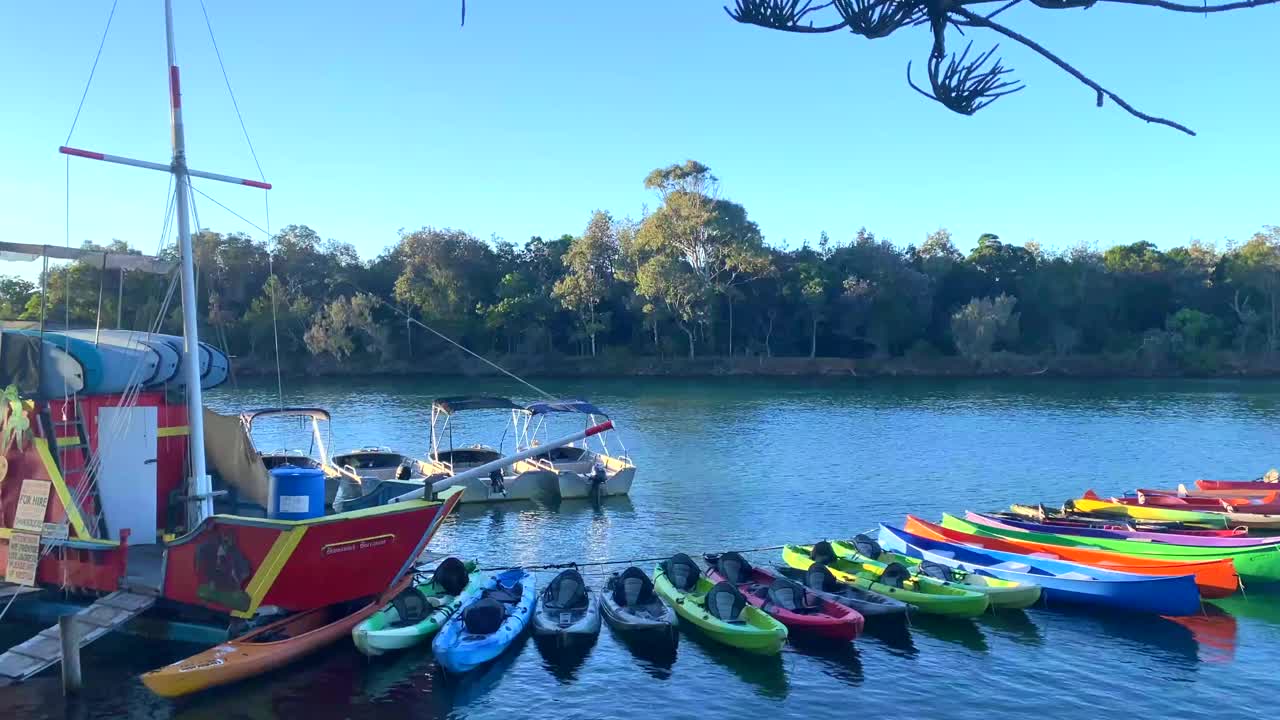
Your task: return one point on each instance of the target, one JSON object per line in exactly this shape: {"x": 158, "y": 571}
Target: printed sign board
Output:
{"x": 32, "y": 503}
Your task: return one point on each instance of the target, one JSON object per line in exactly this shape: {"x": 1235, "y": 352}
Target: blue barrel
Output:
{"x": 296, "y": 493}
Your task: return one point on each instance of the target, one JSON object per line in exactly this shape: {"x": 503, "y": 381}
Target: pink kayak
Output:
{"x": 1153, "y": 537}
{"x": 789, "y": 602}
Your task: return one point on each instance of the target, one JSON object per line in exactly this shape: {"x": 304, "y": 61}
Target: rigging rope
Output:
{"x": 94, "y": 68}
{"x": 225, "y": 78}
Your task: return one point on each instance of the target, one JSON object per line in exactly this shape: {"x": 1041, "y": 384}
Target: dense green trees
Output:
{"x": 693, "y": 278}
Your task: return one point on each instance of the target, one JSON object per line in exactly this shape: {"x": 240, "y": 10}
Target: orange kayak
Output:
{"x": 1215, "y": 578}
{"x": 265, "y": 648}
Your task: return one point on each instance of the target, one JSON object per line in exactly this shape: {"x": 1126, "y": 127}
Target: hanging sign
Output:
{"x": 24, "y": 554}
{"x": 32, "y": 503}
{"x": 54, "y": 531}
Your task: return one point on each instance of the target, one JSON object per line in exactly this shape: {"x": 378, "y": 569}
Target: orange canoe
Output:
{"x": 1214, "y": 578}
{"x": 265, "y": 648}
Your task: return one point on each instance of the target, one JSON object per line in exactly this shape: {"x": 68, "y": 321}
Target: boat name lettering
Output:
{"x": 358, "y": 544}
{"x": 200, "y": 666}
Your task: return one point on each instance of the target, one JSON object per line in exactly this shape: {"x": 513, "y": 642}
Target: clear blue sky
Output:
{"x": 374, "y": 116}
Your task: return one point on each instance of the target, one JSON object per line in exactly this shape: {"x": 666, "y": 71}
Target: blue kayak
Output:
{"x": 487, "y": 624}
{"x": 1061, "y": 581}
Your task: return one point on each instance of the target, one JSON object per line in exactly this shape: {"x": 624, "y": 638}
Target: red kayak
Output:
{"x": 1264, "y": 506}
{"x": 786, "y": 600}
{"x": 1253, "y": 485}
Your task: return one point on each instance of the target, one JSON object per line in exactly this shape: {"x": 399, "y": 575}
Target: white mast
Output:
{"x": 200, "y": 487}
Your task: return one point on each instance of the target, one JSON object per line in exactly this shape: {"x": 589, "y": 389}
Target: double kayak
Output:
{"x": 717, "y": 609}
{"x": 568, "y": 612}
{"x": 1062, "y": 581}
{"x": 1000, "y": 593}
{"x": 1255, "y": 559}
{"x": 787, "y": 601}
{"x": 488, "y": 623}
{"x": 1214, "y": 578}
{"x": 876, "y": 610}
{"x": 935, "y": 597}
{"x": 264, "y": 649}
{"x": 419, "y": 612}
{"x": 633, "y": 609}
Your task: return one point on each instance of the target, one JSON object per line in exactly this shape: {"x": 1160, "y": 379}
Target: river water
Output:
{"x": 732, "y": 463}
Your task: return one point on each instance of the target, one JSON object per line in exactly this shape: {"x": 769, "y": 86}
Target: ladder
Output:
{"x": 45, "y": 649}
{"x": 53, "y": 432}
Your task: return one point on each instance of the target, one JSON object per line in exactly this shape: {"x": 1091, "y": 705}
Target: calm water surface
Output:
{"x": 743, "y": 463}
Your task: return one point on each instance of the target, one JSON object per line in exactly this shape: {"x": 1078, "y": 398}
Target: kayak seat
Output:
{"x": 451, "y": 576}
{"x": 411, "y": 607}
{"x": 819, "y": 577}
{"x": 504, "y": 595}
{"x": 567, "y": 591}
{"x": 734, "y": 568}
{"x": 724, "y": 602}
{"x": 682, "y": 571}
{"x": 822, "y": 552}
{"x": 867, "y": 547}
{"x": 937, "y": 571}
{"x": 484, "y": 616}
{"x": 790, "y": 595}
{"x": 633, "y": 588}
{"x": 895, "y": 575}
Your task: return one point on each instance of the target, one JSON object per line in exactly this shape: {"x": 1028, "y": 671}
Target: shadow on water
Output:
{"x": 564, "y": 660}
{"x": 475, "y": 685}
{"x": 765, "y": 672}
{"x": 656, "y": 656}
{"x": 896, "y": 637}
{"x": 960, "y": 631}
{"x": 399, "y": 677}
{"x": 1014, "y": 625}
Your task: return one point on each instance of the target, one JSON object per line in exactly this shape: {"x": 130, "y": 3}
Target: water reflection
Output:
{"x": 1215, "y": 632}
{"x": 766, "y": 673}
{"x": 1015, "y": 625}
{"x": 838, "y": 661}
{"x": 960, "y": 631}
{"x": 479, "y": 683}
{"x": 564, "y": 659}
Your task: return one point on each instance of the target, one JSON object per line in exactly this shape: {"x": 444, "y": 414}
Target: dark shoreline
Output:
{"x": 1221, "y": 365}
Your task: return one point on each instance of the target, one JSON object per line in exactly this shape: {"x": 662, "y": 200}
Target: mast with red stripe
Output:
{"x": 200, "y": 487}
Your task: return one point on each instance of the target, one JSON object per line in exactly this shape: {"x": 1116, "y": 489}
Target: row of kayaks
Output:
{"x": 113, "y": 361}
{"x": 1216, "y": 510}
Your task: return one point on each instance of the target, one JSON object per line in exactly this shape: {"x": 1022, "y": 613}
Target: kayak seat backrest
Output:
{"x": 411, "y": 606}
{"x": 682, "y": 571}
{"x": 791, "y": 596}
{"x": 724, "y": 602}
{"x": 867, "y": 547}
{"x": 451, "y": 576}
{"x": 484, "y": 616}
{"x": 633, "y": 588}
{"x": 506, "y": 596}
{"x": 567, "y": 591}
{"x": 937, "y": 571}
{"x": 734, "y": 567}
{"x": 819, "y": 577}
{"x": 823, "y": 553}
{"x": 895, "y": 575}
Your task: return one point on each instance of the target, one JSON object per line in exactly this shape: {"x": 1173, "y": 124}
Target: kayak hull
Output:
{"x": 832, "y": 621}
{"x": 382, "y": 631}
{"x": 929, "y": 596}
{"x": 1000, "y": 593}
{"x": 1062, "y": 581}
{"x": 759, "y": 633}
{"x": 459, "y": 652}
{"x": 876, "y": 610}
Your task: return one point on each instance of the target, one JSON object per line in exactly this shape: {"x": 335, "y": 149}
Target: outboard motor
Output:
{"x": 497, "y": 483}
{"x": 598, "y": 478}
{"x": 404, "y": 472}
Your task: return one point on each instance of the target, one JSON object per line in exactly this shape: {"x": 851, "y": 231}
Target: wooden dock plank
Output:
{"x": 44, "y": 650}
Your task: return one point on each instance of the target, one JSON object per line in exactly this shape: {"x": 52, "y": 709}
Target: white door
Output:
{"x": 127, "y": 472}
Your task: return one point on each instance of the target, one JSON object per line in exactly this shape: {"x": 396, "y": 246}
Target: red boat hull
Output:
{"x": 833, "y": 621}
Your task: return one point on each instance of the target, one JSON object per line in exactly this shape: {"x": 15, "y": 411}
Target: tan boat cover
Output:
{"x": 230, "y": 452}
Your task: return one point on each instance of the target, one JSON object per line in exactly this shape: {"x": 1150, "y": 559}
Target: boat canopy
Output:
{"x": 564, "y": 406}
{"x": 28, "y": 252}
{"x": 311, "y": 412}
{"x": 460, "y": 403}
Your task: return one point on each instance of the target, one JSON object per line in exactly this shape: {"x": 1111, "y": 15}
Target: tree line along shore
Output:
{"x": 693, "y": 288}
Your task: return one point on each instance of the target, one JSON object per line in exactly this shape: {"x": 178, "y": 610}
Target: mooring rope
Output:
{"x": 599, "y": 563}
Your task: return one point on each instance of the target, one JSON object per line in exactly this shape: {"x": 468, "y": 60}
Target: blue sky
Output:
{"x": 370, "y": 117}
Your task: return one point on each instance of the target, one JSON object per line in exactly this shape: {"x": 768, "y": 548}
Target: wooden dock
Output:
{"x": 44, "y": 650}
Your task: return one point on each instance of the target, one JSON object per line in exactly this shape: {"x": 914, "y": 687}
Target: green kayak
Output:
{"x": 680, "y": 582}
{"x": 928, "y": 595}
{"x": 1000, "y": 593}
{"x": 419, "y": 612}
{"x": 1253, "y": 563}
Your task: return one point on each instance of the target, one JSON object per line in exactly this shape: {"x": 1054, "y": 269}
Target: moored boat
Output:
{"x": 935, "y": 597}
{"x": 1214, "y": 578}
{"x": 718, "y": 610}
{"x": 1255, "y": 559}
{"x": 418, "y": 612}
{"x": 583, "y": 470}
{"x": 1061, "y": 581}
{"x": 1001, "y": 593}
{"x": 488, "y": 623}
{"x": 786, "y": 600}
{"x": 263, "y": 649}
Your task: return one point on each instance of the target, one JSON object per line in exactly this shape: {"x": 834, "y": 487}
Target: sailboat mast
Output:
{"x": 200, "y": 488}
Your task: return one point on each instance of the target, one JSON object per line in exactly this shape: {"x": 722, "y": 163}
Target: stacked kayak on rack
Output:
{"x": 112, "y": 361}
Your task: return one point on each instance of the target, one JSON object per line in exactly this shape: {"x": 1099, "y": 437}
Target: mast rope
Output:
{"x": 226, "y": 79}
{"x": 93, "y": 69}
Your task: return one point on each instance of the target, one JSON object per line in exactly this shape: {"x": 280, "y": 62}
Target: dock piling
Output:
{"x": 69, "y": 630}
